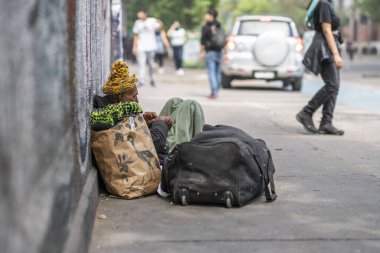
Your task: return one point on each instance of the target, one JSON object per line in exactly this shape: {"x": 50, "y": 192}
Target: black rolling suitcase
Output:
{"x": 221, "y": 165}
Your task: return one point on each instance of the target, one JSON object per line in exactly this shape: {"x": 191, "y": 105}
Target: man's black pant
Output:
{"x": 327, "y": 95}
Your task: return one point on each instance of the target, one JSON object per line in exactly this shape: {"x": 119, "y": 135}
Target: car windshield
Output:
{"x": 257, "y": 27}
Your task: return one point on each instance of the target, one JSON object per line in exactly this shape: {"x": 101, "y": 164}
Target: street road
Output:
{"x": 328, "y": 186}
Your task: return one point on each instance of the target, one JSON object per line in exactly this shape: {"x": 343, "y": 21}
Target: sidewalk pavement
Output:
{"x": 327, "y": 186}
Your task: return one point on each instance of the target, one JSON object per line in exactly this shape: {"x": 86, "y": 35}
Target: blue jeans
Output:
{"x": 178, "y": 53}
{"x": 213, "y": 64}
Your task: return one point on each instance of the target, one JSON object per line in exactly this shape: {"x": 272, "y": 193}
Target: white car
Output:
{"x": 264, "y": 47}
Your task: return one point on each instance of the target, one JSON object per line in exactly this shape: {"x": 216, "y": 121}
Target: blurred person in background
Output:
{"x": 323, "y": 57}
{"x": 211, "y": 52}
{"x": 144, "y": 44}
{"x": 350, "y": 49}
{"x": 177, "y": 36}
{"x": 162, "y": 46}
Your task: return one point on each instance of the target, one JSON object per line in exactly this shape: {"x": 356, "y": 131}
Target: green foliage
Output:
{"x": 295, "y": 9}
{"x": 371, "y": 7}
{"x": 253, "y": 7}
{"x": 197, "y": 10}
{"x": 344, "y": 19}
{"x": 188, "y": 12}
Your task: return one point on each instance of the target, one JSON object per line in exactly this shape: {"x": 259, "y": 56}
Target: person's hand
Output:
{"x": 134, "y": 51}
{"x": 150, "y": 117}
{"x": 201, "y": 56}
{"x": 338, "y": 61}
{"x": 167, "y": 119}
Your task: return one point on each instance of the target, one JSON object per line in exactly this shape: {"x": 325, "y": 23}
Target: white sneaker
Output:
{"x": 161, "y": 71}
{"x": 180, "y": 72}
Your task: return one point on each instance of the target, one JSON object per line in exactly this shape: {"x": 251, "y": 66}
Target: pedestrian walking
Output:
{"x": 323, "y": 57}
{"x": 177, "y": 36}
{"x": 163, "y": 45}
{"x": 144, "y": 44}
{"x": 212, "y": 43}
{"x": 350, "y": 49}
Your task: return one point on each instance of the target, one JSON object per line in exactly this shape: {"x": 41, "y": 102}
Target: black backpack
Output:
{"x": 218, "y": 38}
{"x": 221, "y": 165}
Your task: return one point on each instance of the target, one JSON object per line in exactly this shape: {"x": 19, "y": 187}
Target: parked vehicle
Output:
{"x": 307, "y": 39}
{"x": 264, "y": 47}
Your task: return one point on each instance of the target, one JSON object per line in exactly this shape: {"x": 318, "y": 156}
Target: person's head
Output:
{"x": 120, "y": 86}
{"x": 129, "y": 96}
{"x": 176, "y": 24}
{"x": 142, "y": 14}
{"x": 211, "y": 15}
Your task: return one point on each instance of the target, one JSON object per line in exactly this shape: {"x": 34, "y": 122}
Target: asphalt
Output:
{"x": 328, "y": 186}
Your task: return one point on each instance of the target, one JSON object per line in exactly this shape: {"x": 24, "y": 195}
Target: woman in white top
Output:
{"x": 177, "y": 37}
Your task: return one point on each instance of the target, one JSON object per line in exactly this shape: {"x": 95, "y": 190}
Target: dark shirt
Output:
{"x": 159, "y": 132}
{"x": 325, "y": 13}
{"x": 100, "y": 102}
{"x": 207, "y": 35}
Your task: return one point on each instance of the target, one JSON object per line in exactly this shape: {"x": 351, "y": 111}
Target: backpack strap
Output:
{"x": 270, "y": 194}
{"x": 165, "y": 175}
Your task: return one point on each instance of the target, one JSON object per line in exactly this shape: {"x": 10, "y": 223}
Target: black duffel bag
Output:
{"x": 221, "y": 165}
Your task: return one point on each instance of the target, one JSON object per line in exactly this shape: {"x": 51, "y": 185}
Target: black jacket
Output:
{"x": 207, "y": 35}
{"x": 317, "y": 53}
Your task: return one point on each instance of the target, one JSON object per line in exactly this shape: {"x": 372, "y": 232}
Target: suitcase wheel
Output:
{"x": 228, "y": 195}
{"x": 184, "y": 200}
{"x": 228, "y": 202}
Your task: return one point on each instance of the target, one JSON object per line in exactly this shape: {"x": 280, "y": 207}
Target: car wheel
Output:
{"x": 226, "y": 81}
{"x": 297, "y": 84}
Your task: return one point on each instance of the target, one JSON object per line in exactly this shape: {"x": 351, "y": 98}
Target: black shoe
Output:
{"x": 328, "y": 128}
{"x": 152, "y": 83}
{"x": 306, "y": 120}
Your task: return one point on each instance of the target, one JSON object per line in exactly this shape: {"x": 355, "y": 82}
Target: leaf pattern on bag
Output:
{"x": 119, "y": 137}
{"x": 144, "y": 155}
{"x": 141, "y": 187}
{"x": 123, "y": 162}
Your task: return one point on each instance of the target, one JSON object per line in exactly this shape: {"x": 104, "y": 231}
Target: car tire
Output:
{"x": 271, "y": 49}
{"x": 297, "y": 84}
{"x": 226, "y": 81}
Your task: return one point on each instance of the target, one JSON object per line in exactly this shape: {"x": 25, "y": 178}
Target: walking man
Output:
{"x": 144, "y": 44}
{"x": 211, "y": 50}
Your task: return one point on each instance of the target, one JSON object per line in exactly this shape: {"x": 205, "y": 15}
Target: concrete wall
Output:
{"x": 54, "y": 55}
